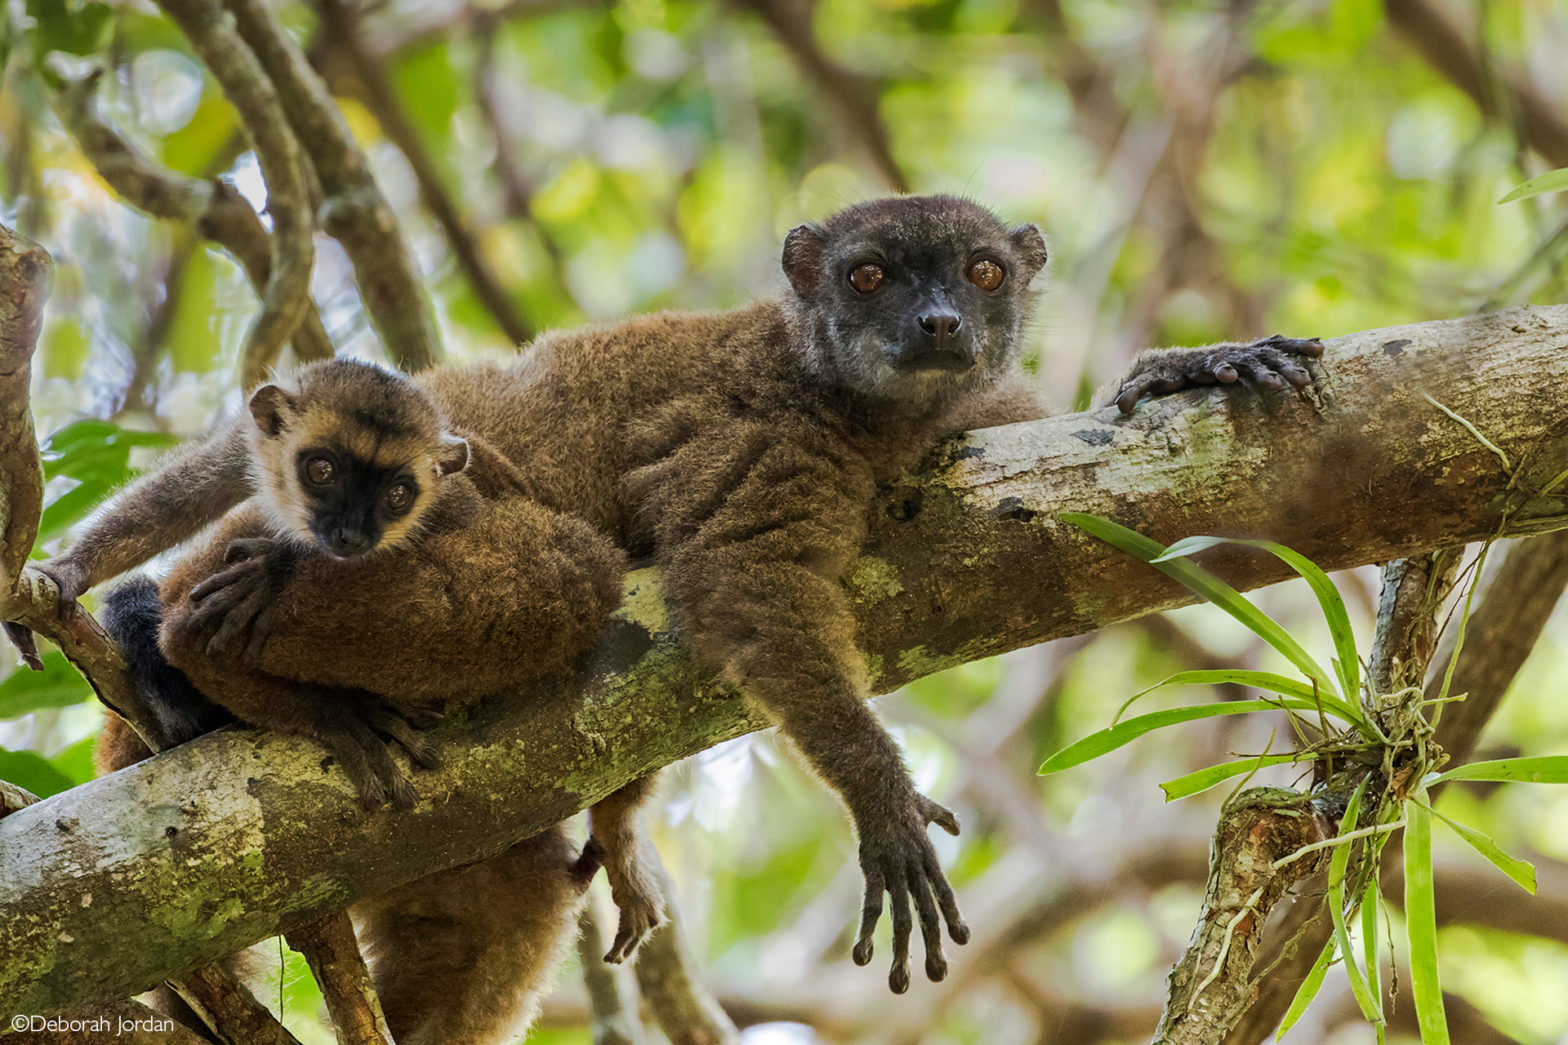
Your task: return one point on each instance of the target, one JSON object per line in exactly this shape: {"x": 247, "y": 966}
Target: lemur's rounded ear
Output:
{"x": 271, "y": 407}
{"x": 453, "y": 456}
{"x": 803, "y": 257}
{"x": 1030, "y": 245}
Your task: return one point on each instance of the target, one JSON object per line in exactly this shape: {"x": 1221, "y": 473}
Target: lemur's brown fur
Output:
{"x": 740, "y": 449}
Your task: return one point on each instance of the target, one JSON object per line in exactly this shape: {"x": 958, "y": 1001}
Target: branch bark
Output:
{"x": 240, "y": 833}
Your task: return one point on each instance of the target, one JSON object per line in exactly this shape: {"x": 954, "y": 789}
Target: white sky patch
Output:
{"x": 246, "y": 176}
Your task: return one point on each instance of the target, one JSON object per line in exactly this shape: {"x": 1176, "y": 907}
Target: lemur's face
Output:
{"x": 349, "y": 461}
{"x": 915, "y": 297}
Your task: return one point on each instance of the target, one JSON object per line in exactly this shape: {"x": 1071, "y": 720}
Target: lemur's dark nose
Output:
{"x": 941, "y": 327}
{"x": 345, "y": 541}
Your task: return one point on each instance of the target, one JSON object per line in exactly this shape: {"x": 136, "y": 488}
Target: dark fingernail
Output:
{"x": 959, "y": 933}
{"x": 1126, "y": 403}
{"x": 862, "y": 952}
{"x": 936, "y": 969}
{"x": 898, "y": 979}
{"x": 1226, "y": 373}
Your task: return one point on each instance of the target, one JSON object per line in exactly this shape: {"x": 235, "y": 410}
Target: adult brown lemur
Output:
{"x": 741, "y": 450}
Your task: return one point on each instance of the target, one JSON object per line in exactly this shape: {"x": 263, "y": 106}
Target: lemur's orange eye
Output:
{"x": 399, "y": 498}
{"x": 986, "y": 274}
{"x": 320, "y": 471}
{"x": 866, "y": 278}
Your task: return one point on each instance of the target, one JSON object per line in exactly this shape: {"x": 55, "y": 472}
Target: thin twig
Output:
{"x": 855, "y": 95}
{"x": 277, "y": 151}
{"x": 227, "y": 1006}
{"x": 214, "y": 207}
{"x": 330, "y": 947}
{"x": 687, "y": 1011}
{"x": 342, "y": 35}
{"x": 353, "y": 210}
{"x": 614, "y": 1021}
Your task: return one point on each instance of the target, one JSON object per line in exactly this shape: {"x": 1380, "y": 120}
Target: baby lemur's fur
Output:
{"x": 741, "y": 449}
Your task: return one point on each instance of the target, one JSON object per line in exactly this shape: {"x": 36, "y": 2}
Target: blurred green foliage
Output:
{"x": 1204, "y": 171}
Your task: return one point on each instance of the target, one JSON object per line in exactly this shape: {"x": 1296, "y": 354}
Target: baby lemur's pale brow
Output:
{"x": 741, "y": 449}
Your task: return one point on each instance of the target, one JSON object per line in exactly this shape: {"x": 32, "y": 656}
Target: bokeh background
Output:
{"x": 1204, "y": 171}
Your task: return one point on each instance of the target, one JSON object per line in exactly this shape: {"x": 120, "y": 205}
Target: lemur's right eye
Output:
{"x": 320, "y": 472}
{"x": 866, "y": 278}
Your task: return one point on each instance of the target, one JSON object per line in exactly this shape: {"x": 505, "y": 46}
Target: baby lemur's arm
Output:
{"x": 511, "y": 595}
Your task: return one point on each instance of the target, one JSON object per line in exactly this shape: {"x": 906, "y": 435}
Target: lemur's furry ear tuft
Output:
{"x": 453, "y": 456}
{"x": 1028, "y": 241}
{"x": 803, "y": 257}
{"x": 271, "y": 407}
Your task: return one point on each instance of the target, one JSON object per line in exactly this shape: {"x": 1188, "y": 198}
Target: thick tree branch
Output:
{"x": 239, "y": 833}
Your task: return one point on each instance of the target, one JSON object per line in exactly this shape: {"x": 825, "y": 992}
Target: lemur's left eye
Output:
{"x": 399, "y": 498}
{"x": 866, "y": 278}
{"x": 320, "y": 471}
{"x": 986, "y": 274}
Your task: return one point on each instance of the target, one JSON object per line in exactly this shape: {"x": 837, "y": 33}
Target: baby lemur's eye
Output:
{"x": 866, "y": 278}
{"x": 986, "y": 274}
{"x": 399, "y": 498}
{"x": 319, "y": 471}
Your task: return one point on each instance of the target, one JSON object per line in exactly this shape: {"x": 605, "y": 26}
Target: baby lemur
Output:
{"x": 418, "y": 577}
{"x": 741, "y": 450}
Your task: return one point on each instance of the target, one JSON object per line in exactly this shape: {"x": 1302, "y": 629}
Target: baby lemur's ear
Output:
{"x": 803, "y": 257}
{"x": 271, "y": 407}
{"x": 453, "y": 455}
{"x": 1030, "y": 245}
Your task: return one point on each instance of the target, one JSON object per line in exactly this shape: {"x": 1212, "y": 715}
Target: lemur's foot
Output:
{"x": 634, "y": 885}
{"x": 897, "y": 858}
{"x": 359, "y": 729}
{"x": 1272, "y": 364}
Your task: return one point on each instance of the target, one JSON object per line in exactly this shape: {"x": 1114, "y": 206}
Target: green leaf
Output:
{"x": 1540, "y": 769}
{"x": 1096, "y": 744}
{"x": 58, "y": 685}
{"x": 1203, "y": 779}
{"x": 75, "y": 761}
{"x": 1369, "y": 905}
{"x": 1265, "y": 680}
{"x": 1346, "y": 665}
{"x": 1307, "y": 991}
{"x": 1521, "y": 871}
{"x": 1421, "y": 922}
{"x": 1551, "y": 181}
{"x": 1338, "y": 865}
{"x": 1200, "y": 581}
{"x": 31, "y": 770}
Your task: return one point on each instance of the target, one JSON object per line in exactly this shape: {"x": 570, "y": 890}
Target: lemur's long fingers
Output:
{"x": 930, "y": 921}
{"x": 237, "y": 621}
{"x": 26, "y": 644}
{"x": 392, "y": 724}
{"x": 214, "y": 605}
{"x": 226, "y": 578}
{"x": 870, "y": 914}
{"x": 898, "y": 905}
{"x": 243, "y": 548}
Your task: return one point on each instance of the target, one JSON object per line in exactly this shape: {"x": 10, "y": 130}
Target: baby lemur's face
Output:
{"x": 914, "y": 298}
{"x": 347, "y": 457}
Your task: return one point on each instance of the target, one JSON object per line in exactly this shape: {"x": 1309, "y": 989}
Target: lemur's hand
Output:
{"x": 359, "y": 729}
{"x": 1271, "y": 364}
{"x": 70, "y": 580}
{"x": 236, "y": 603}
{"x": 897, "y": 858}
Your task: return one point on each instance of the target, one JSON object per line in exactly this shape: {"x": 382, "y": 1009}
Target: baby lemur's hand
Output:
{"x": 234, "y": 606}
{"x": 1271, "y": 364}
{"x": 71, "y": 580}
{"x": 897, "y": 858}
